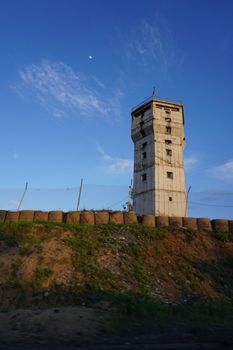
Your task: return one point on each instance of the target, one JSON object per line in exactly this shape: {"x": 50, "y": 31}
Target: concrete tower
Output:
{"x": 158, "y": 135}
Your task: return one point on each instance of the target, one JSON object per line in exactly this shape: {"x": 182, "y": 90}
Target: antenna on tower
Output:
{"x": 153, "y": 92}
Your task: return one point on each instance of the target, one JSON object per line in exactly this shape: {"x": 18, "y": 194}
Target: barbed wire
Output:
{"x": 97, "y": 197}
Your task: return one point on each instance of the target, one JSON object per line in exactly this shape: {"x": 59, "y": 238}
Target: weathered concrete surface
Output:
{"x": 176, "y": 221}
{"x": 12, "y": 216}
{"x": 26, "y": 215}
{"x": 231, "y": 226}
{"x": 101, "y": 217}
{"x": 130, "y": 217}
{"x": 162, "y": 221}
{"x": 87, "y": 217}
{"x": 157, "y": 131}
{"x": 204, "y": 224}
{"x": 3, "y": 215}
{"x": 41, "y": 215}
{"x": 116, "y": 217}
{"x": 190, "y": 223}
{"x": 220, "y": 225}
{"x": 56, "y": 216}
{"x": 148, "y": 220}
{"x": 72, "y": 217}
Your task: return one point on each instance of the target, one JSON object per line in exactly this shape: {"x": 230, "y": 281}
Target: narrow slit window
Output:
{"x": 168, "y": 130}
{"x": 144, "y": 155}
{"x": 144, "y": 177}
{"x": 170, "y": 199}
{"x": 168, "y": 119}
{"x": 144, "y": 144}
{"x": 168, "y": 142}
{"x": 168, "y": 152}
{"x": 169, "y": 174}
{"x": 142, "y": 132}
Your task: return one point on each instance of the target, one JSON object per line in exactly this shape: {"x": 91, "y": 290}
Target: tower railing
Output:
{"x": 155, "y": 98}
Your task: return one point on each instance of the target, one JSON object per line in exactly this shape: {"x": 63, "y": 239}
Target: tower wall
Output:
{"x": 159, "y": 180}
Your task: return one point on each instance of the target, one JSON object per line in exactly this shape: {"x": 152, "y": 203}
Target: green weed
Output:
{"x": 42, "y": 273}
{"x": 222, "y": 236}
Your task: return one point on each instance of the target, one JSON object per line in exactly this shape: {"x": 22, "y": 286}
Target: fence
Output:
{"x": 200, "y": 204}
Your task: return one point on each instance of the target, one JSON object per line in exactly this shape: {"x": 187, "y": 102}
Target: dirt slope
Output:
{"x": 172, "y": 264}
{"x": 73, "y": 283}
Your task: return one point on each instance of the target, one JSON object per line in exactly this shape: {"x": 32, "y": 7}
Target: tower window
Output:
{"x": 170, "y": 199}
{"x": 144, "y": 155}
{"x": 168, "y": 130}
{"x": 169, "y": 174}
{"x": 168, "y": 142}
{"x": 142, "y": 132}
{"x": 168, "y": 119}
{"x": 144, "y": 144}
{"x": 168, "y": 152}
{"x": 168, "y": 111}
{"x": 143, "y": 177}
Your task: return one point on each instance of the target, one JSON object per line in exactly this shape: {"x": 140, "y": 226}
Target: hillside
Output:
{"x": 132, "y": 274}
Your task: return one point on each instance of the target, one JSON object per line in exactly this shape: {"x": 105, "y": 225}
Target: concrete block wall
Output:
{"x": 115, "y": 217}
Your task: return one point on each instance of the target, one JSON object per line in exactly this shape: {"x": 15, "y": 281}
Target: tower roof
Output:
{"x": 156, "y": 98}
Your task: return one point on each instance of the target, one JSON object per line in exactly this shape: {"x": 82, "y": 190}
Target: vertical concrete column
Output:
{"x": 87, "y": 217}
{"x": 72, "y": 217}
{"x": 162, "y": 221}
{"x": 190, "y": 223}
{"x": 130, "y": 217}
{"x": 116, "y": 217}
{"x": 204, "y": 224}
{"x": 175, "y": 221}
{"x": 2, "y": 215}
{"x": 41, "y": 215}
{"x": 26, "y": 215}
{"x": 56, "y": 216}
{"x": 101, "y": 217}
{"x": 148, "y": 220}
{"x": 220, "y": 225}
{"x": 12, "y": 216}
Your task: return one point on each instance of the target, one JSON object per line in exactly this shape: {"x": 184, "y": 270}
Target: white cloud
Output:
{"x": 116, "y": 165}
{"x": 13, "y": 204}
{"x": 122, "y": 165}
{"x": 58, "y": 88}
{"x": 224, "y": 171}
{"x": 189, "y": 162}
{"x": 151, "y": 45}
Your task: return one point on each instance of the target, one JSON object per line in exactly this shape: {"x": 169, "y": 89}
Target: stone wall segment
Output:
{"x": 3, "y": 215}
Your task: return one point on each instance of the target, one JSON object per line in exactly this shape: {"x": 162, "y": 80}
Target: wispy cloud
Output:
{"x": 190, "y": 162}
{"x": 152, "y": 45}
{"x": 224, "y": 171}
{"x": 115, "y": 165}
{"x": 58, "y": 88}
{"x": 12, "y": 204}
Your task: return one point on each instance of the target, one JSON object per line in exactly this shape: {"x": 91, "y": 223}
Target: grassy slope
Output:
{"x": 143, "y": 275}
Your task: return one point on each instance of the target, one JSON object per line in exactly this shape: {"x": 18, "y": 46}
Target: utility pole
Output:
{"x": 80, "y": 191}
{"x": 23, "y": 195}
{"x": 129, "y": 203}
{"x": 186, "y": 205}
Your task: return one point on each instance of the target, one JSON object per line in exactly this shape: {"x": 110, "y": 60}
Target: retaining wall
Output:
{"x": 116, "y": 217}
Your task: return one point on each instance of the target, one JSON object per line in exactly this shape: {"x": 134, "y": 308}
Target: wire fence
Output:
{"x": 97, "y": 197}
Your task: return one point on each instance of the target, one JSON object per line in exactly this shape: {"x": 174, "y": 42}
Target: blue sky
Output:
{"x": 70, "y": 72}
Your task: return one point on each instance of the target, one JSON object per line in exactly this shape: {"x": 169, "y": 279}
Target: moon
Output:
{"x": 90, "y": 57}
